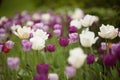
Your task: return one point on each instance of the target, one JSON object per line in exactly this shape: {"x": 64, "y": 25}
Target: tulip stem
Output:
{"x": 91, "y": 49}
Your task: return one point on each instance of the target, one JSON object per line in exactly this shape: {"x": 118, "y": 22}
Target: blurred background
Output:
{"x": 107, "y": 10}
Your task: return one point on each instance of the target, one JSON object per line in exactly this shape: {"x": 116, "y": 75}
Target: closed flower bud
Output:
{"x": 50, "y": 47}
{"x": 42, "y": 68}
{"x": 90, "y": 59}
{"x": 63, "y": 41}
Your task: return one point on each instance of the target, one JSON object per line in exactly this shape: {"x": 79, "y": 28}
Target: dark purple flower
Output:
{"x": 115, "y": 50}
{"x": 50, "y": 35}
{"x": 102, "y": 48}
{"x": 26, "y": 45}
{"x": 63, "y": 41}
{"x": 90, "y": 59}
{"x": 37, "y": 21}
{"x": 40, "y": 77}
{"x": 42, "y": 68}
{"x": 50, "y": 47}
{"x": 72, "y": 29}
{"x": 109, "y": 60}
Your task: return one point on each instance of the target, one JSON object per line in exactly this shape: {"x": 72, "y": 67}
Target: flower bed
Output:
{"x": 64, "y": 46}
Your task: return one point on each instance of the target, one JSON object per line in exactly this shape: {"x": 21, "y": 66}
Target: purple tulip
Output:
{"x": 13, "y": 62}
{"x": 50, "y": 47}
{"x": 42, "y": 68}
{"x": 72, "y": 29}
{"x": 2, "y": 30}
{"x": 57, "y": 32}
{"x": 37, "y": 21}
{"x": 50, "y": 35}
{"x": 73, "y": 37}
{"x": 70, "y": 71}
{"x": 26, "y": 45}
{"x": 63, "y": 41}
{"x": 102, "y": 48}
{"x": 40, "y": 77}
{"x": 115, "y": 50}
{"x": 9, "y": 44}
{"x": 109, "y": 60}
{"x": 57, "y": 26}
{"x": 90, "y": 59}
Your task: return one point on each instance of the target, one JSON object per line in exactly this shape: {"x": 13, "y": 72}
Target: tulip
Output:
{"x": 37, "y": 43}
{"x": 46, "y": 17}
{"x": 90, "y": 59}
{"x": 88, "y": 20}
{"x": 77, "y": 57}
{"x": 115, "y": 50}
{"x": 72, "y": 29}
{"x": 13, "y": 62}
{"x": 40, "y": 77}
{"x": 109, "y": 60}
{"x": 42, "y": 68}
{"x": 76, "y": 23}
{"x": 70, "y": 71}
{"x": 57, "y": 32}
{"x": 73, "y": 37}
{"x": 40, "y": 33}
{"x": 108, "y": 32}
{"x": 87, "y": 38}
{"x": 9, "y": 44}
{"x": 5, "y": 49}
{"x": 53, "y": 76}
{"x": 50, "y": 47}
{"x": 23, "y": 33}
{"x": 26, "y": 45}
{"x": 57, "y": 26}
{"x": 63, "y": 41}
{"x": 78, "y": 14}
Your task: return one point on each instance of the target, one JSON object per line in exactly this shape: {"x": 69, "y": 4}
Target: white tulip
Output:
{"x": 29, "y": 23}
{"x": 88, "y": 20}
{"x": 108, "y": 32}
{"x": 37, "y": 43}
{"x": 76, "y": 23}
{"x": 77, "y": 57}
{"x": 36, "y": 16}
{"x": 45, "y": 17}
{"x": 40, "y": 33}
{"x": 78, "y": 14}
{"x": 53, "y": 76}
{"x": 15, "y": 27}
{"x": 22, "y": 33}
{"x": 3, "y": 19}
{"x": 87, "y": 38}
